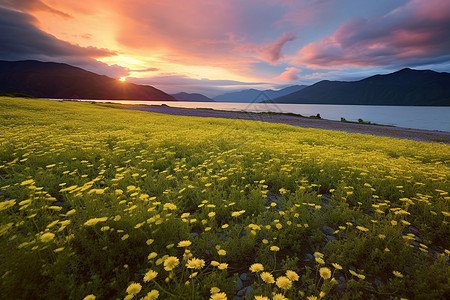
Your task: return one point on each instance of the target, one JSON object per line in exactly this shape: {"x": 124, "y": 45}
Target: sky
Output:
{"x": 217, "y": 46}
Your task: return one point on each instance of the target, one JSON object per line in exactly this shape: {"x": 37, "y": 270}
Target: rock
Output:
{"x": 248, "y": 290}
{"x": 378, "y": 281}
{"x": 330, "y": 237}
{"x": 194, "y": 234}
{"x": 239, "y": 285}
{"x": 309, "y": 257}
{"x": 413, "y": 230}
{"x": 243, "y": 233}
{"x": 243, "y": 276}
{"x": 328, "y": 229}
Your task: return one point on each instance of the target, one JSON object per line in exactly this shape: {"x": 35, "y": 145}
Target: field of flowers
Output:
{"x": 103, "y": 203}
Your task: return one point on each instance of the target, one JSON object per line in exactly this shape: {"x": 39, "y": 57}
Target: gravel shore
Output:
{"x": 390, "y": 131}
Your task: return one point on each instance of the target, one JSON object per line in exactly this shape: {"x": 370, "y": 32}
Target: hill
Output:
{"x": 250, "y": 95}
{"x": 191, "y": 97}
{"x": 404, "y": 87}
{"x": 57, "y": 80}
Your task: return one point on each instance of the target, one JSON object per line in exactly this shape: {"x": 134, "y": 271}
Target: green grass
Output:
{"x": 88, "y": 192}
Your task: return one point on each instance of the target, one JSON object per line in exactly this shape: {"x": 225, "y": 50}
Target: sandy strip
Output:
{"x": 390, "y": 131}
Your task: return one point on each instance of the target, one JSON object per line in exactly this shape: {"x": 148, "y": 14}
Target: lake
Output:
{"x": 418, "y": 117}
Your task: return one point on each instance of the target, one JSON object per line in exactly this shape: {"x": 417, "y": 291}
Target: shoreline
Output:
{"x": 422, "y": 135}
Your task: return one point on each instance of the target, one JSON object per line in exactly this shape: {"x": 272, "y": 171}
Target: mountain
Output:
{"x": 191, "y": 97}
{"x": 404, "y": 87}
{"x": 56, "y": 80}
{"x": 250, "y": 95}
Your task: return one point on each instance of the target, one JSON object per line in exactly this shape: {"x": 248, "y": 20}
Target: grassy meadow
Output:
{"x": 98, "y": 202}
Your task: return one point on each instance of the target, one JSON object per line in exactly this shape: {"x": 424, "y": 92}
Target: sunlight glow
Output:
{"x": 123, "y": 79}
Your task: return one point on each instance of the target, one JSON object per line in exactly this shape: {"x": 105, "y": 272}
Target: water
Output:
{"x": 417, "y": 117}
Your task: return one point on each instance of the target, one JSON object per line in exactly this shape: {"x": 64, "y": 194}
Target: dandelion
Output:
{"x": 184, "y": 244}
{"x": 222, "y": 252}
{"x": 325, "y": 273}
{"x": 211, "y": 214}
{"x": 274, "y": 248}
{"x": 255, "y": 268}
{"x": 225, "y": 226}
{"x": 134, "y": 288}
{"x": 292, "y": 275}
{"x": 214, "y": 290}
{"x": 152, "y": 295}
{"x": 150, "y": 275}
{"x": 322, "y": 294}
{"x": 89, "y": 297}
{"x": 311, "y": 298}
{"x": 397, "y": 274}
{"x": 125, "y": 237}
{"x": 195, "y": 263}
{"x": 267, "y": 277}
{"x": 279, "y": 297}
{"x": 320, "y": 261}
{"x": 218, "y": 296}
{"x": 152, "y": 255}
{"x": 284, "y": 283}
{"x": 337, "y": 266}
{"x": 47, "y": 237}
{"x": 362, "y": 228}
{"x": 94, "y": 221}
{"x": 215, "y": 263}
{"x": 170, "y": 263}
{"x": 222, "y": 266}
{"x": 278, "y": 226}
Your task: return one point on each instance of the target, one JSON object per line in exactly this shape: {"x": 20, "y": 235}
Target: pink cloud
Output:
{"x": 291, "y": 74}
{"x": 415, "y": 32}
{"x": 271, "y": 52}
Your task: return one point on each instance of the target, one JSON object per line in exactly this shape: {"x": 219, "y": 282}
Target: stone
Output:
{"x": 243, "y": 276}
{"x": 328, "y": 229}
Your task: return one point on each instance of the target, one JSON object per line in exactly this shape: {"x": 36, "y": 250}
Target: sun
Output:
{"x": 123, "y": 79}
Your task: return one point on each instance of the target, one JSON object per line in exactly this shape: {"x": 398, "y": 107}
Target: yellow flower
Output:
{"x": 47, "y": 237}
{"x": 261, "y": 298}
{"x": 337, "y": 266}
{"x": 195, "y": 263}
{"x": 152, "y": 295}
{"x": 397, "y": 274}
{"x": 149, "y": 241}
{"x": 170, "y": 263}
{"x": 279, "y": 297}
{"x": 222, "y": 252}
{"x": 322, "y": 294}
{"x": 89, "y": 297}
{"x": 319, "y": 260}
{"x": 225, "y": 226}
{"x": 218, "y": 296}
{"x": 150, "y": 275}
{"x": 274, "y": 248}
{"x": 125, "y": 237}
{"x": 284, "y": 283}
{"x": 222, "y": 266}
{"x": 134, "y": 288}
{"x": 292, "y": 275}
{"x": 325, "y": 273}
{"x": 278, "y": 226}
{"x": 94, "y": 221}
{"x": 214, "y": 290}
{"x": 211, "y": 214}
{"x": 184, "y": 244}
{"x": 255, "y": 268}
{"x": 267, "y": 277}
{"x": 311, "y": 298}
{"x": 362, "y": 228}
{"x": 152, "y": 255}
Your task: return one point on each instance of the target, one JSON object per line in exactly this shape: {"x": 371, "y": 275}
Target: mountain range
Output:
{"x": 254, "y": 95}
{"x": 404, "y": 87}
{"x": 191, "y": 97}
{"x": 62, "y": 81}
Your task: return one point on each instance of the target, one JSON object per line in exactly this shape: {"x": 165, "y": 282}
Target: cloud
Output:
{"x": 174, "y": 83}
{"x": 291, "y": 74}
{"x": 271, "y": 52}
{"x": 413, "y": 34}
{"x": 32, "y": 5}
{"x": 22, "y": 40}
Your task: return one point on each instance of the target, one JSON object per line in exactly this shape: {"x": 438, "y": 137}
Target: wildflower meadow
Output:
{"x": 98, "y": 202}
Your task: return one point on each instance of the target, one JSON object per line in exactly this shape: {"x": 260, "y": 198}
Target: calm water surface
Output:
{"x": 419, "y": 117}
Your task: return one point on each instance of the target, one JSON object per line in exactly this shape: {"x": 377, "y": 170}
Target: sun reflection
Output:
{"x": 123, "y": 79}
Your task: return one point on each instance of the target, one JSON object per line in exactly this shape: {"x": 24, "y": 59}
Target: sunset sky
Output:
{"x": 212, "y": 46}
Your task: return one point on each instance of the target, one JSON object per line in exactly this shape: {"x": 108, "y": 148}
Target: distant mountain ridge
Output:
{"x": 404, "y": 87}
{"x": 250, "y": 95}
{"x": 194, "y": 97}
{"x": 57, "y": 80}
